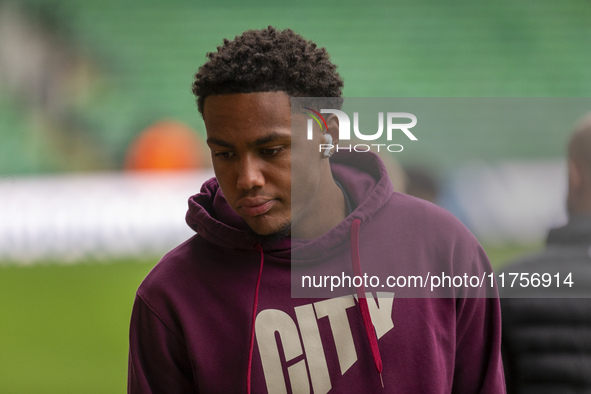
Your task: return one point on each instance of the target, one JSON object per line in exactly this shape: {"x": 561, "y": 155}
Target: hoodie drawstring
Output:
{"x": 369, "y": 328}
{"x": 254, "y": 317}
{"x": 363, "y": 306}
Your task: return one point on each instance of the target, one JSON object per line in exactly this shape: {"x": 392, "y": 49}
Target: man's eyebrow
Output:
{"x": 258, "y": 142}
{"x": 269, "y": 138}
{"x": 217, "y": 141}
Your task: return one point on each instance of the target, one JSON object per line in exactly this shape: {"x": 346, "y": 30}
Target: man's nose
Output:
{"x": 250, "y": 174}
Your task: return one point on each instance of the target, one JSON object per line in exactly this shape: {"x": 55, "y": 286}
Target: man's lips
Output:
{"x": 255, "y": 206}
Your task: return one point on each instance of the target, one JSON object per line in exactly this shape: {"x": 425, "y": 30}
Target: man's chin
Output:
{"x": 273, "y": 236}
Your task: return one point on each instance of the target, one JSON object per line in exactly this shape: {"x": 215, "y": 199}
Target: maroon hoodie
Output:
{"x": 217, "y": 314}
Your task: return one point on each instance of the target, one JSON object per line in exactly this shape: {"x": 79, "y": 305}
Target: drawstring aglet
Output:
{"x": 381, "y": 380}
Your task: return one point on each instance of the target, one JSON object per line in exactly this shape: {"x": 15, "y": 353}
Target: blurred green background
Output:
{"x": 79, "y": 80}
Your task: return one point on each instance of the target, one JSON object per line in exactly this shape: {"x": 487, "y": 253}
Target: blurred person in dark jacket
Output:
{"x": 547, "y": 311}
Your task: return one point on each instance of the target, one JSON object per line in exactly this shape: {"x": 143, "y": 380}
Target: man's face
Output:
{"x": 249, "y": 135}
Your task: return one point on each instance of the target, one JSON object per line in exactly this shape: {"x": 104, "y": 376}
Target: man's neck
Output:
{"x": 329, "y": 215}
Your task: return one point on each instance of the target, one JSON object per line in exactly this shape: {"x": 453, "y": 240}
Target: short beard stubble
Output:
{"x": 283, "y": 232}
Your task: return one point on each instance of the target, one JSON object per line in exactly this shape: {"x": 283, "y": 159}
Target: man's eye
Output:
{"x": 224, "y": 155}
{"x": 271, "y": 151}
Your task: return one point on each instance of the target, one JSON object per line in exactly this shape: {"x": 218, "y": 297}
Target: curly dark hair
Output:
{"x": 268, "y": 60}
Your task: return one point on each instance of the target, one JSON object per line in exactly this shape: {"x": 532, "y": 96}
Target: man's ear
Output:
{"x": 575, "y": 177}
{"x": 332, "y": 121}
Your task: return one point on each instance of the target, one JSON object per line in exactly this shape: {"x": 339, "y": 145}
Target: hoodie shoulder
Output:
{"x": 172, "y": 267}
{"x": 426, "y": 223}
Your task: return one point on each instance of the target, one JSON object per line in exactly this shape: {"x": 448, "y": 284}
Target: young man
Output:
{"x": 216, "y": 315}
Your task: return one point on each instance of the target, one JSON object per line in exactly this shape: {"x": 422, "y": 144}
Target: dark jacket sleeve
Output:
{"x": 158, "y": 360}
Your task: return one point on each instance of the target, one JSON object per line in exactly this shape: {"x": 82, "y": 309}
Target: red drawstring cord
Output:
{"x": 369, "y": 328}
{"x": 254, "y": 317}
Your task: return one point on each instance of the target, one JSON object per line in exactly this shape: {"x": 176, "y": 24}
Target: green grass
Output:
{"x": 501, "y": 255}
{"x": 64, "y": 329}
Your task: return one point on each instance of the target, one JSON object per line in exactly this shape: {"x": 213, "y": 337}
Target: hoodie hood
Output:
{"x": 362, "y": 175}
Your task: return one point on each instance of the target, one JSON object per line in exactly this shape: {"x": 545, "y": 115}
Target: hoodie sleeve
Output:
{"x": 479, "y": 366}
{"x": 158, "y": 361}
